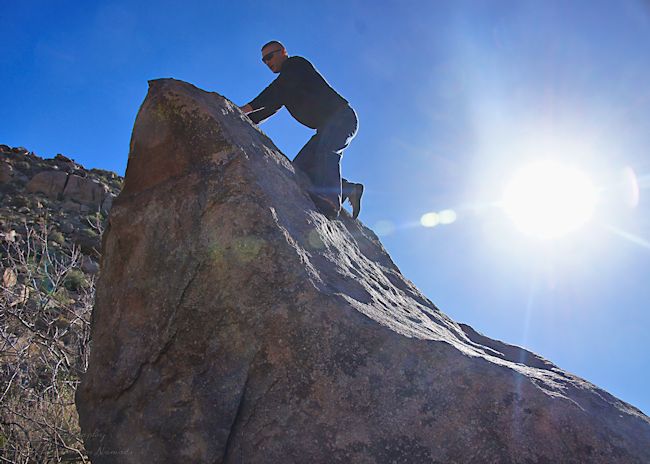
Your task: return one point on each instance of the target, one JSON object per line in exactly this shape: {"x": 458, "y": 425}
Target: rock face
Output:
{"x": 69, "y": 186}
{"x": 51, "y": 183}
{"x": 86, "y": 191}
{"x": 235, "y": 324}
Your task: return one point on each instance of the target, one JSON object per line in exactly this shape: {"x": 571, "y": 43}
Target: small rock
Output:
{"x": 10, "y": 236}
{"x": 9, "y": 278}
{"x": 60, "y": 157}
{"x": 24, "y": 210}
{"x": 89, "y": 244}
{"x": 89, "y": 266}
{"x": 67, "y": 228}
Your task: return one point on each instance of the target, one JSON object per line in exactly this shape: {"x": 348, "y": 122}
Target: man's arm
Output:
{"x": 260, "y": 115}
{"x": 266, "y": 103}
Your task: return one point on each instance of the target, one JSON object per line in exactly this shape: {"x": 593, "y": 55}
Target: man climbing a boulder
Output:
{"x": 312, "y": 102}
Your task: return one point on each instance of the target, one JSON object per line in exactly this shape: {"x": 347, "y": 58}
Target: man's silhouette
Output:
{"x": 314, "y": 103}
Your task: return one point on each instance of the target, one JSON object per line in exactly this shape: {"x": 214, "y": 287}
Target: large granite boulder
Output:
{"x": 84, "y": 190}
{"x": 235, "y": 324}
{"x": 51, "y": 183}
{"x": 72, "y": 187}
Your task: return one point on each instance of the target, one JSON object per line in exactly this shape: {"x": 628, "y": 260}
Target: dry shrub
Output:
{"x": 44, "y": 343}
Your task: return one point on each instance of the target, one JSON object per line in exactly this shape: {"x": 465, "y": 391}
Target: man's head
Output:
{"x": 273, "y": 55}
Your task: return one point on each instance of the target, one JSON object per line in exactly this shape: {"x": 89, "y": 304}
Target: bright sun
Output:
{"x": 547, "y": 199}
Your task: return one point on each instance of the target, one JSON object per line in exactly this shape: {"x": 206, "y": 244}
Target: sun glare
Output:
{"x": 548, "y": 200}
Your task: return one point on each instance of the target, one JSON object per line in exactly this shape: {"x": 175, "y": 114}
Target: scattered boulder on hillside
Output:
{"x": 65, "y": 164}
{"x": 235, "y": 324}
{"x": 89, "y": 265}
{"x": 6, "y": 172}
{"x": 50, "y": 183}
{"x": 84, "y": 190}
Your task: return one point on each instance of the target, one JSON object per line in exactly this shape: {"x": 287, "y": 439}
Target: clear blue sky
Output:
{"x": 452, "y": 96}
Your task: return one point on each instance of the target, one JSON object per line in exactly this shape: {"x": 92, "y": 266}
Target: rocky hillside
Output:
{"x": 59, "y": 191}
{"x": 52, "y": 215}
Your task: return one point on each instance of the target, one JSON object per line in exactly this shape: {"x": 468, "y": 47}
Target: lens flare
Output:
{"x": 548, "y": 200}
{"x": 384, "y": 228}
{"x": 447, "y": 216}
{"x": 430, "y": 219}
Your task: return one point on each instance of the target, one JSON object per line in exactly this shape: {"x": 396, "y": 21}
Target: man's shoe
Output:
{"x": 354, "y": 198}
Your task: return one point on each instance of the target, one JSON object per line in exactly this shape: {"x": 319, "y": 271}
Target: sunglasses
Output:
{"x": 269, "y": 55}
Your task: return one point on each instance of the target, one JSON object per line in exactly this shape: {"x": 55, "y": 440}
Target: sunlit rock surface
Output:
{"x": 234, "y": 323}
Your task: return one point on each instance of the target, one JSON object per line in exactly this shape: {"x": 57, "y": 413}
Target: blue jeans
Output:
{"x": 320, "y": 158}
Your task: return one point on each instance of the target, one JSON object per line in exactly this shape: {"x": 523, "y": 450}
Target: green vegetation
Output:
{"x": 57, "y": 237}
{"x": 75, "y": 280}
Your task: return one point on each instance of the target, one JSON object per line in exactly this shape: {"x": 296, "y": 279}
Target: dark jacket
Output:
{"x": 303, "y": 91}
